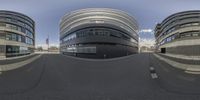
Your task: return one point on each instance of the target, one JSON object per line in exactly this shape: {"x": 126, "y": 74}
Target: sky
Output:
{"x": 47, "y": 13}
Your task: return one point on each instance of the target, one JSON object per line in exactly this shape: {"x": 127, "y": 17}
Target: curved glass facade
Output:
{"x": 17, "y": 34}
{"x": 98, "y": 33}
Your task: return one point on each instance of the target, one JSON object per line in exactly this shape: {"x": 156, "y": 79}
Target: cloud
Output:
{"x": 146, "y": 31}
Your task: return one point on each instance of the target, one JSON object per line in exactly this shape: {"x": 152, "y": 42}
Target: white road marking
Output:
{"x": 154, "y": 76}
{"x": 153, "y": 73}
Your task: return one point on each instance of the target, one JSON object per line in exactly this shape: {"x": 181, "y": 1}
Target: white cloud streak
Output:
{"x": 146, "y": 31}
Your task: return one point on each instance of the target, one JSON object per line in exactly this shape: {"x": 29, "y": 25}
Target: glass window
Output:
{"x": 21, "y": 23}
{"x": 29, "y": 41}
{"x": 19, "y": 38}
{"x": 173, "y": 37}
{"x": 29, "y": 34}
{"x": 14, "y": 27}
{"x": 195, "y": 34}
{"x": 8, "y": 19}
{"x": 70, "y": 37}
{"x": 187, "y": 34}
{"x": 162, "y": 42}
{"x": 12, "y": 49}
{"x": 19, "y": 29}
{"x": 23, "y": 49}
{"x": 14, "y": 37}
{"x": 23, "y": 30}
{"x": 182, "y": 35}
{"x": 189, "y": 24}
{"x": 8, "y": 36}
{"x": 23, "y": 39}
{"x": 9, "y": 49}
{"x": 168, "y": 39}
{"x": 29, "y": 28}
{"x": 2, "y": 35}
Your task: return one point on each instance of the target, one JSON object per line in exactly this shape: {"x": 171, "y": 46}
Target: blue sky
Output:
{"x": 47, "y": 13}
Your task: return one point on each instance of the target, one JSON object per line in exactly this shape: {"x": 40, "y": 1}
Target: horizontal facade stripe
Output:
{"x": 17, "y": 14}
{"x": 93, "y": 17}
{"x": 185, "y": 42}
{"x": 180, "y": 30}
{"x": 11, "y": 30}
{"x": 180, "y": 15}
{"x": 177, "y": 19}
{"x": 14, "y": 43}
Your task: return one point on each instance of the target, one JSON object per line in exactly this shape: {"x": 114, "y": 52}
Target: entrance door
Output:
{"x": 163, "y": 50}
{"x": 2, "y": 50}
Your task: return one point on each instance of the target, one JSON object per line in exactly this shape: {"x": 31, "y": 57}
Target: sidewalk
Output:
{"x": 15, "y": 65}
{"x": 188, "y": 68}
{"x": 180, "y": 59}
{"x": 182, "y": 56}
{"x": 16, "y": 59}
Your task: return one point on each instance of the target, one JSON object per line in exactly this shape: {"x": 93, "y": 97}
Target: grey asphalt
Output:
{"x": 59, "y": 77}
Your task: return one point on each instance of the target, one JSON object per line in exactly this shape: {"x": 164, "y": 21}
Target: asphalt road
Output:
{"x": 59, "y": 77}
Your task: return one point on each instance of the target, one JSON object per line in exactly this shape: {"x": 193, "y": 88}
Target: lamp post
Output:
{"x": 47, "y": 42}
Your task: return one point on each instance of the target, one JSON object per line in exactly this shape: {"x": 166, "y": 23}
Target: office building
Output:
{"x": 98, "y": 33}
{"x": 17, "y": 34}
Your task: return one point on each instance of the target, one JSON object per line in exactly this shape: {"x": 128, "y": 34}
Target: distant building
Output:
{"x": 146, "y": 45}
{"x": 17, "y": 34}
{"x": 179, "y": 34}
{"x": 146, "y": 49}
{"x": 98, "y": 33}
{"x": 53, "y": 49}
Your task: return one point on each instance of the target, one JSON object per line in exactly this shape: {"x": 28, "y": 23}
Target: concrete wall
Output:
{"x": 193, "y": 50}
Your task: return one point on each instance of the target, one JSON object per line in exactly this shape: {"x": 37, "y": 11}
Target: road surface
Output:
{"x": 59, "y": 77}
